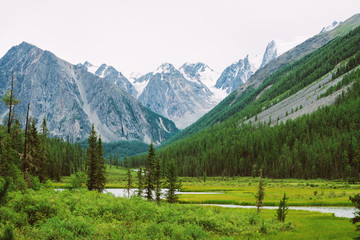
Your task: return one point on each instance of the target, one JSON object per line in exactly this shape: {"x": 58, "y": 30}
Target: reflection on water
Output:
{"x": 121, "y": 192}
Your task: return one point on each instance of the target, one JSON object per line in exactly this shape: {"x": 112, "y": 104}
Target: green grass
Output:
{"x": 47, "y": 214}
{"x": 241, "y": 190}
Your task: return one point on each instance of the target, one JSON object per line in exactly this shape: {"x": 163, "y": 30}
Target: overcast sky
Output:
{"x": 140, "y": 35}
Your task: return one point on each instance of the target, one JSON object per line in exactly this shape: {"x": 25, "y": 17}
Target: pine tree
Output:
{"x": 33, "y": 150}
{"x": 43, "y": 164}
{"x": 141, "y": 185}
{"x": 260, "y": 194}
{"x": 157, "y": 181}
{"x": 10, "y": 101}
{"x": 111, "y": 161}
{"x": 116, "y": 160}
{"x": 149, "y": 172}
{"x": 91, "y": 156}
{"x": 129, "y": 182}
{"x": 173, "y": 183}
{"x": 126, "y": 161}
{"x": 283, "y": 209}
{"x": 26, "y": 164}
{"x": 100, "y": 167}
{"x": 9, "y": 159}
{"x": 4, "y": 190}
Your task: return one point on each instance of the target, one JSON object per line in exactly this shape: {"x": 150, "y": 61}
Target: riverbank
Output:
{"x": 241, "y": 190}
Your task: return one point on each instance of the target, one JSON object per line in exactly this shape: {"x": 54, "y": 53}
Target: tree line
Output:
{"x": 31, "y": 155}
{"x": 324, "y": 144}
{"x": 151, "y": 179}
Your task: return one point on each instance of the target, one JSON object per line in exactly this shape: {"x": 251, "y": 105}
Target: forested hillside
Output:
{"x": 43, "y": 157}
{"x": 323, "y": 144}
{"x": 318, "y": 63}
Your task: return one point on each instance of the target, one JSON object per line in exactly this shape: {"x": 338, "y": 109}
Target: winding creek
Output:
{"x": 346, "y": 212}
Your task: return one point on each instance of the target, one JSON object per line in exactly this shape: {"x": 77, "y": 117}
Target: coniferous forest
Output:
{"x": 324, "y": 144}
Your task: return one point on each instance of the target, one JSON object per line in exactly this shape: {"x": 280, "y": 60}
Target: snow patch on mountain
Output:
{"x": 101, "y": 70}
{"x": 165, "y": 68}
{"x": 201, "y": 73}
{"x": 330, "y": 27}
{"x": 270, "y": 54}
{"x": 256, "y": 61}
{"x": 133, "y": 76}
{"x": 285, "y": 45}
{"x": 162, "y": 125}
{"x": 90, "y": 68}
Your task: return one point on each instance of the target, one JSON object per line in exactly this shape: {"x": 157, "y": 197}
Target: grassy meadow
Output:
{"x": 80, "y": 214}
{"x": 241, "y": 190}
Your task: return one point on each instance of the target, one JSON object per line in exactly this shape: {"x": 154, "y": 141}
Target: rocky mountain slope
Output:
{"x": 238, "y": 73}
{"x": 270, "y": 54}
{"x": 170, "y": 94}
{"x": 202, "y": 73}
{"x": 110, "y": 74}
{"x": 235, "y": 75}
{"x": 72, "y": 99}
{"x": 239, "y": 98}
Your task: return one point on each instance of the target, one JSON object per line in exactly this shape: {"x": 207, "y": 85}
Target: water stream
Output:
{"x": 347, "y": 212}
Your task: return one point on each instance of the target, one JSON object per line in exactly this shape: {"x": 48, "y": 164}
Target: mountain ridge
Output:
{"x": 72, "y": 98}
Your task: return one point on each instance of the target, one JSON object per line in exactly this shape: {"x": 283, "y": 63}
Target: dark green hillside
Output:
{"x": 121, "y": 148}
{"x": 246, "y": 93}
{"x": 323, "y": 144}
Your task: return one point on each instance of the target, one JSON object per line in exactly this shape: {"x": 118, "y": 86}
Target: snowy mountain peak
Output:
{"x": 198, "y": 67}
{"x": 330, "y": 27}
{"x": 165, "y": 68}
{"x": 270, "y": 53}
{"x": 89, "y": 67}
{"x": 101, "y": 70}
{"x": 133, "y": 76}
{"x": 201, "y": 73}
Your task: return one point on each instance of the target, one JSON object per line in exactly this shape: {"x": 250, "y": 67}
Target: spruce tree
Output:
{"x": 172, "y": 182}
{"x": 116, "y": 160}
{"x": 356, "y": 219}
{"x": 126, "y": 161}
{"x": 283, "y": 209}
{"x": 129, "y": 182}
{"x": 43, "y": 163}
{"x": 10, "y": 101}
{"x": 91, "y": 157}
{"x": 141, "y": 184}
{"x": 33, "y": 150}
{"x": 100, "y": 167}
{"x": 157, "y": 181}
{"x": 111, "y": 161}
{"x": 25, "y": 164}
{"x": 260, "y": 194}
{"x": 149, "y": 172}
{"x": 9, "y": 160}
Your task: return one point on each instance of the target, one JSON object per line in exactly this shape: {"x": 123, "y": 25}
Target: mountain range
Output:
{"x": 245, "y": 93}
{"x": 187, "y": 93}
{"x": 72, "y": 99}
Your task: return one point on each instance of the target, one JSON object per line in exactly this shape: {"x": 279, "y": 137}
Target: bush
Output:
{"x": 82, "y": 214}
